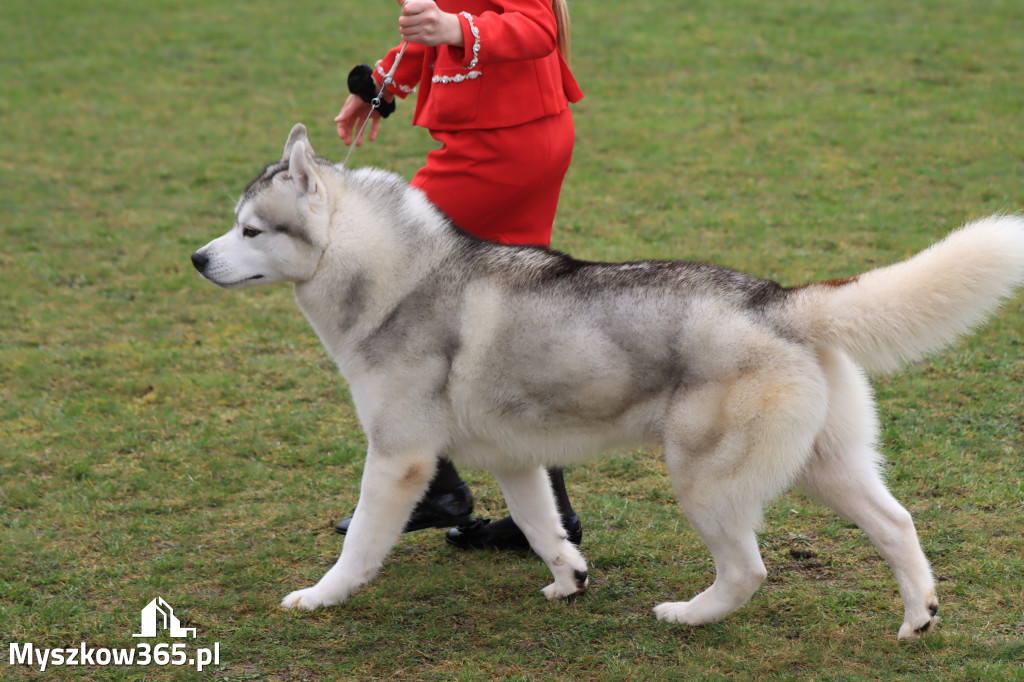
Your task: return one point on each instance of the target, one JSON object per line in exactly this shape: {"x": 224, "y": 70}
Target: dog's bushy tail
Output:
{"x": 903, "y": 312}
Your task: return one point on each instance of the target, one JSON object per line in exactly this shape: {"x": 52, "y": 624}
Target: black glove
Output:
{"x": 361, "y": 84}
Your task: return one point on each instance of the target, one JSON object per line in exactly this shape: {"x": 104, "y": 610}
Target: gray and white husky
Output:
{"x": 514, "y": 358}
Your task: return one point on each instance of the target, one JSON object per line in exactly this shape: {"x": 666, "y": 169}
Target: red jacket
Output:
{"x": 508, "y": 72}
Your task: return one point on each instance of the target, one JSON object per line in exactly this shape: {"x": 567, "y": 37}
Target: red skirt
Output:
{"x": 501, "y": 184}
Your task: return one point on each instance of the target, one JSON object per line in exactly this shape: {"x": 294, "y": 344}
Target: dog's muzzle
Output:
{"x": 200, "y": 260}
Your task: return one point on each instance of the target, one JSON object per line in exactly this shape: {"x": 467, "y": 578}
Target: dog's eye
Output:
{"x": 250, "y": 232}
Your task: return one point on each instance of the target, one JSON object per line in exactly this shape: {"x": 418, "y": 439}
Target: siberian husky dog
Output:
{"x": 514, "y": 358}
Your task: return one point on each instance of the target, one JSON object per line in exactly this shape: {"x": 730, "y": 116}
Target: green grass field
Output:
{"x": 161, "y": 437}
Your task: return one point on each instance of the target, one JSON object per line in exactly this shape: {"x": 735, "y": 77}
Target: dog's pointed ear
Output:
{"x": 302, "y": 168}
{"x": 298, "y": 134}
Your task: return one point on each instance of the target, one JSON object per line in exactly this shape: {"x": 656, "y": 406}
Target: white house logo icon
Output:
{"x": 159, "y": 614}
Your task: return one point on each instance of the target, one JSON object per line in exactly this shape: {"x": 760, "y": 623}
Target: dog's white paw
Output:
{"x": 909, "y": 632}
{"x": 308, "y": 599}
{"x": 565, "y": 588}
{"x": 680, "y": 612}
{"x": 916, "y": 622}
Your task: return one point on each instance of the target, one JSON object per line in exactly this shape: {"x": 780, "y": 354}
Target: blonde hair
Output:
{"x": 561, "y": 10}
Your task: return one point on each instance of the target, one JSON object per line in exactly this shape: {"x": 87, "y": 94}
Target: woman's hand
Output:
{"x": 423, "y": 22}
{"x": 351, "y": 118}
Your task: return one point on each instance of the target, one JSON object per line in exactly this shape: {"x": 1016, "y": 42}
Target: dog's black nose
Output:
{"x": 200, "y": 260}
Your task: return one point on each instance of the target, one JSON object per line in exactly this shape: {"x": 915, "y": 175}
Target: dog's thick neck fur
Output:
{"x": 382, "y": 243}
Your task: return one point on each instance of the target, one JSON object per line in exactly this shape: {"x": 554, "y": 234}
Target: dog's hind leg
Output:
{"x": 391, "y": 487}
{"x": 730, "y": 449}
{"x": 739, "y": 571}
{"x": 855, "y": 491}
{"x": 843, "y": 474}
{"x": 532, "y": 504}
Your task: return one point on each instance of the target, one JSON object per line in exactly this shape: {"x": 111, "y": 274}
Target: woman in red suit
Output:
{"x": 494, "y": 89}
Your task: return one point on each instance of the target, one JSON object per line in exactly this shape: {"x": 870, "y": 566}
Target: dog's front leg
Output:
{"x": 529, "y": 498}
{"x": 391, "y": 487}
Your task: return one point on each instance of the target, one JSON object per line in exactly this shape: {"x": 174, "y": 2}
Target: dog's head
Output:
{"x": 281, "y": 222}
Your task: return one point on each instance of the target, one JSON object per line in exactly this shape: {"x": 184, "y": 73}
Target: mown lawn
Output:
{"x": 161, "y": 437}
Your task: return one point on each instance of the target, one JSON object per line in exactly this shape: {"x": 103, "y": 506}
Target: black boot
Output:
{"x": 504, "y": 534}
{"x": 449, "y": 509}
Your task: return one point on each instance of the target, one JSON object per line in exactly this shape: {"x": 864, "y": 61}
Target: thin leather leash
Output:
{"x": 375, "y": 103}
